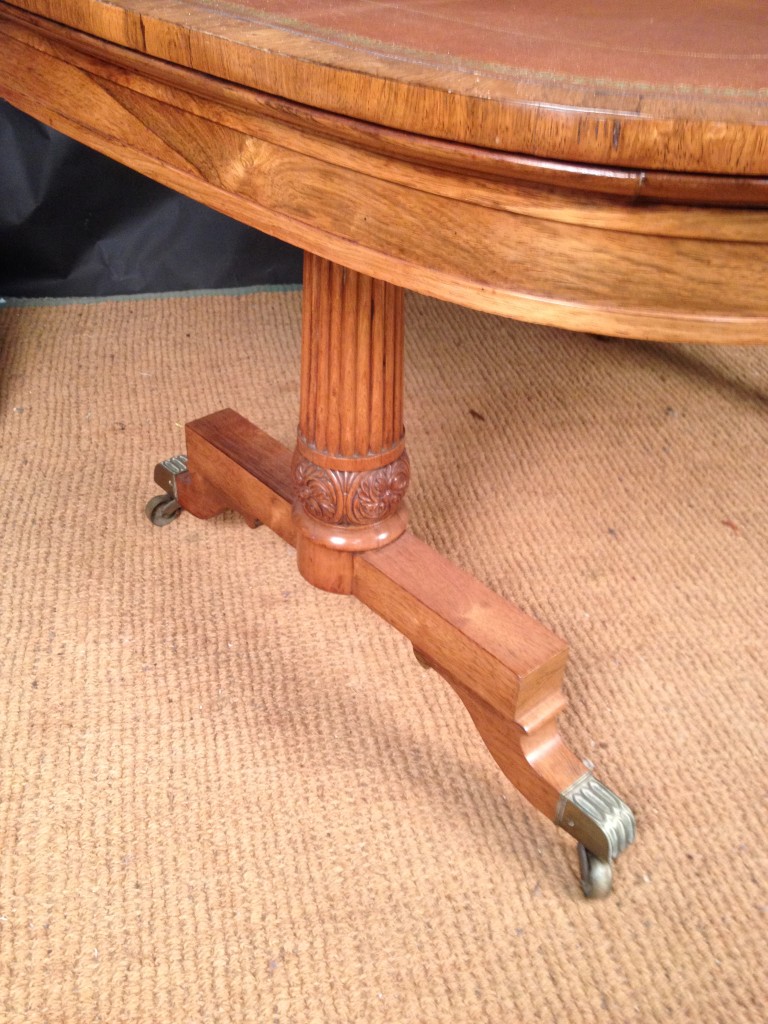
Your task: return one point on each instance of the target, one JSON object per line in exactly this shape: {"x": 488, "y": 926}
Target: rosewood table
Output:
{"x": 599, "y": 165}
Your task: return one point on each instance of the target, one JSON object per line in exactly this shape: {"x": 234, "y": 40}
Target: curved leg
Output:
{"x": 507, "y": 669}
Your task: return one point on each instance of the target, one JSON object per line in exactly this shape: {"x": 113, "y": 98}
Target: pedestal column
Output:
{"x": 339, "y": 497}
{"x": 350, "y": 467}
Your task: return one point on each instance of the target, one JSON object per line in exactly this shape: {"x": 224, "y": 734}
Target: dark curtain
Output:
{"x": 75, "y": 223}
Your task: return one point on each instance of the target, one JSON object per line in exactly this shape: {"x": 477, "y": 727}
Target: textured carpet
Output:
{"x": 225, "y": 796}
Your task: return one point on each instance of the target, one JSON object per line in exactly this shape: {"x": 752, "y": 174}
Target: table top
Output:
{"x": 512, "y": 165}
{"x": 648, "y": 84}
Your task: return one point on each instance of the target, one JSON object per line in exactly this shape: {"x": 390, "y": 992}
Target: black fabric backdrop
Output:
{"x": 75, "y": 223}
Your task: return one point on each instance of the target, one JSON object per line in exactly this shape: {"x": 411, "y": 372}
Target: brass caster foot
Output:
{"x": 604, "y": 826}
{"x": 164, "y": 508}
{"x": 596, "y": 874}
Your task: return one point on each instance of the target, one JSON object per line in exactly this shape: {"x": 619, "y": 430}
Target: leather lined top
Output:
{"x": 674, "y": 85}
{"x": 661, "y": 44}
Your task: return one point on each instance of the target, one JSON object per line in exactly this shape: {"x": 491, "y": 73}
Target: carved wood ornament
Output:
{"x": 350, "y": 467}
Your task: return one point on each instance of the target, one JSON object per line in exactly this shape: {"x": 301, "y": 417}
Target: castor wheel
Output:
{"x": 596, "y": 874}
{"x": 162, "y": 509}
{"x": 603, "y": 826}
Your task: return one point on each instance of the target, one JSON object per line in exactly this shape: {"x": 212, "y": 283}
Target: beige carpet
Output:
{"x": 228, "y": 797}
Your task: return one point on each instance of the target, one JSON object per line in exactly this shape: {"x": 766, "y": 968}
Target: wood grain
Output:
{"x": 698, "y": 106}
{"x": 235, "y": 465}
{"x": 350, "y": 468}
{"x": 505, "y": 666}
{"x": 430, "y": 216}
{"x": 352, "y": 368}
{"x": 242, "y": 108}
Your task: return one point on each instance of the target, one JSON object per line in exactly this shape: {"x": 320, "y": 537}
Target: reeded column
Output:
{"x": 350, "y": 467}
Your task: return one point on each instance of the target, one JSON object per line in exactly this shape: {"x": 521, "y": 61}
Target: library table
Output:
{"x": 598, "y": 165}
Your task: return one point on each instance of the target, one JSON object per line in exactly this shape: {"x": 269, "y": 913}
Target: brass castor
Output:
{"x": 164, "y": 508}
{"x": 596, "y": 874}
{"x": 604, "y": 827}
